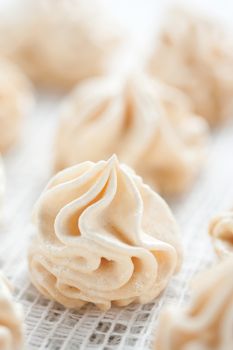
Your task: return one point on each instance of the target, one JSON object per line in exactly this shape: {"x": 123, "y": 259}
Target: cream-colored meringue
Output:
{"x": 147, "y": 124}
{"x": 11, "y": 320}
{"x": 59, "y": 43}
{"x": 15, "y": 100}
{"x": 2, "y": 185}
{"x": 221, "y": 232}
{"x": 194, "y": 54}
{"x": 103, "y": 237}
{"x": 208, "y": 322}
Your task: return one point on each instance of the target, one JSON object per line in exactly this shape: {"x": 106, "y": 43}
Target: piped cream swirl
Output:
{"x": 103, "y": 237}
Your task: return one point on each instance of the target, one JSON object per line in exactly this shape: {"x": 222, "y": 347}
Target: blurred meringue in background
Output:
{"x": 11, "y": 319}
{"x": 2, "y": 186}
{"x": 208, "y": 322}
{"x": 221, "y": 232}
{"x": 58, "y": 44}
{"x": 16, "y": 99}
{"x": 147, "y": 124}
{"x": 194, "y": 53}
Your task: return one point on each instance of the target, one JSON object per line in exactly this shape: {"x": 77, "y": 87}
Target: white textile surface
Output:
{"x": 51, "y": 326}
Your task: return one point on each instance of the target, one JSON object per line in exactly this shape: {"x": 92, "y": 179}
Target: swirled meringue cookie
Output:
{"x": 221, "y": 232}
{"x": 59, "y": 43}
{"x": 103, "y": 237}
{"x": 207, "y": 323}
{"x": 15, "y": 101}
{"x": 11, "y": 319}
{"x": 194, "y": 54}
{"x": 147, "y": 124}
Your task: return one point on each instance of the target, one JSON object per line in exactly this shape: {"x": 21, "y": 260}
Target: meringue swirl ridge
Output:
{"x": 221, "y": 232}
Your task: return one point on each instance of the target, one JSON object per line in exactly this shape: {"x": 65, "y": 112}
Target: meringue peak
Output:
{"x": 113, "y": 161}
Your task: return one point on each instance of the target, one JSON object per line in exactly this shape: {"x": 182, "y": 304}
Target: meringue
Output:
{"x": 147, "y": 124}
{"x": 2, "y": 185}
{"x": 103, "y": 236}
{"x": 58, "y": 44}
{"x": 208, "y": 323}
{"x": 221, "y": 232}
{"x": 16, "y": 99}
{"x": 11, "y": 320}
{"x": 195, "y": 54}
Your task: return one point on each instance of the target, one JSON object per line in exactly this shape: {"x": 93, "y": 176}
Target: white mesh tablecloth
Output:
{"x": 49, "y": 325}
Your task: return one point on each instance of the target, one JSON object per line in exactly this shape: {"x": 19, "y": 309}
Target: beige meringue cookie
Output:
{"x": 15, "y": 101}
{"x": 195, "y": 54}
{"x": 59, "y": 43}
{"x": 146, "y": 123}
{"x": 207, "y": 324}
{"x": 2, "y": 185}
{"x": 103, "y": 236}
{"x": 221, "y": 232}
{"x": 11, "y": 319}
